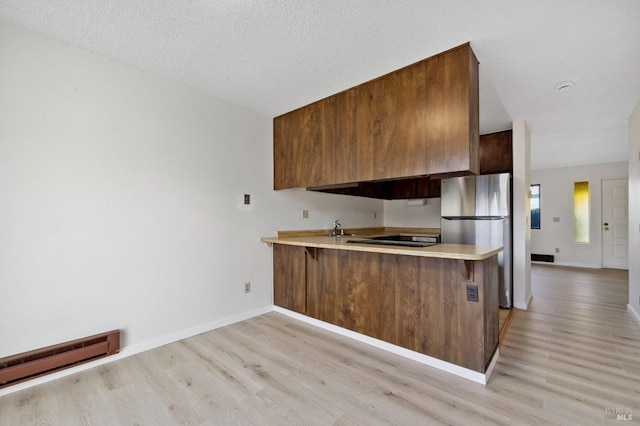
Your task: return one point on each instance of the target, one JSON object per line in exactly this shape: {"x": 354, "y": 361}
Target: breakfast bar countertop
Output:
{"x": 321, "y": 239}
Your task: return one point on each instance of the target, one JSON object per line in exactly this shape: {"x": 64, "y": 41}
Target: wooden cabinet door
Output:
{"x": 420, "y": 120}
{"x": 408, "y": 153}
{"x": 347, "y": 136}
{"x": 304, "y": 146}
{"x": 289, "y": 277}
{"x": 378, "y": 147}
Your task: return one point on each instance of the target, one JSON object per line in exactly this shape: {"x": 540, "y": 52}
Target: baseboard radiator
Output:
{"x": 29, "y": 365}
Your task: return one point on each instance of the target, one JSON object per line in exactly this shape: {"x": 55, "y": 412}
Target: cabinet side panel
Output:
{"x": 496, "y": 153}
{"x": 280, "y": 154}
{"x": 470, "y": 316}
{"x": 474, "y": 111}
{"x": 491, "y": 300}
{"x": 456, "y": 139}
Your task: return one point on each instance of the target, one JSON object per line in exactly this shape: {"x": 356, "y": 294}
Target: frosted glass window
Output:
{"x": 535, "y": 206}
{"x": 581, "y": 212}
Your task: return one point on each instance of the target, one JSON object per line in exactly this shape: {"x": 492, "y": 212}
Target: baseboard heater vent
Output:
{"x": 29, "y": 365}
{"x": 542, "y": 258}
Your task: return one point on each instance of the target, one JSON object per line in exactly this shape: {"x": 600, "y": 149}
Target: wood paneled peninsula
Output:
{"x": 440, "y": 301}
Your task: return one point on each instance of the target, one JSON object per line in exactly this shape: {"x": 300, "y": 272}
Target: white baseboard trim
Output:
{"x": 141, "y": 347}
{"x": 634, "y": 312}
{"x": 463, "y": 372}
{"x": 577, "y": 265}
{"x": 524, "y": 306}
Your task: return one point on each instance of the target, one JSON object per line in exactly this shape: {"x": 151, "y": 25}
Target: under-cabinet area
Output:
{"x": 443, "y": 307}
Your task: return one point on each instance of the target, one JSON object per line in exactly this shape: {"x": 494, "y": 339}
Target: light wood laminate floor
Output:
{"x": 574, "y": 355}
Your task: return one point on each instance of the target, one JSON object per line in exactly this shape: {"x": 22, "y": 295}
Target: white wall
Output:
{"x": 556, "y": 200}
{"x": 121, "y": 201}
{"x": 521, "y": 211}
{"x": 634, "y": 212}
{"x": 398, "y": 213}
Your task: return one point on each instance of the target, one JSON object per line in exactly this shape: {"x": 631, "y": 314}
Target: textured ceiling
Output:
{"x": 274, "y": 56}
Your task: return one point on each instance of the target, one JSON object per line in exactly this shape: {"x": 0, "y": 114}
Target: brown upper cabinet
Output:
{"x": 496, "y": 152}
{"x": 418, "y": 121}
{"x": 304, "y": 146}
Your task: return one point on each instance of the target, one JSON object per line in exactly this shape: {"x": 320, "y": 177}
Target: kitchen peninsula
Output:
{"x": 440, "y": 300}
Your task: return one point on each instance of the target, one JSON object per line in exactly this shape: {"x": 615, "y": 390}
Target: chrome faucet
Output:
{"x": 336, "y": 226}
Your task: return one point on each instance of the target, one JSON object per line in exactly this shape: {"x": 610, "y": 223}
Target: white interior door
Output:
{"x": 615, "y": 223}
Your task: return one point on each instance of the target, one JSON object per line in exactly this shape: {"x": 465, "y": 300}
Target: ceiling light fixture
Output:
{"x": 564, "y": 86}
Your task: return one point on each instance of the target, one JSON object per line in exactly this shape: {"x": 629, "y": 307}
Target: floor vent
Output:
{"x": 28, "y": 365}
{"x": 542, "y": 258}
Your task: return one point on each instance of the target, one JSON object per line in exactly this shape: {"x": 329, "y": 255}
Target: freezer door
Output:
{"x": 469, "y": 196}
{"x": 493, "y": 195}
{"x": 458, "y": 196}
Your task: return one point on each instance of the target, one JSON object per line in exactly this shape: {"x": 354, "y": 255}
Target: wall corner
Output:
{"x": 521, "y": 210}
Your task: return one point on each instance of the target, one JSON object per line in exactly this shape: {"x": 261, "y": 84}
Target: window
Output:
{"x": 535, "y": 206}
{"x": 581, "y": 212}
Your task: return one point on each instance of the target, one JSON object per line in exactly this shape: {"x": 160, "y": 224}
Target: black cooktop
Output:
{"x": 398, "y": 240}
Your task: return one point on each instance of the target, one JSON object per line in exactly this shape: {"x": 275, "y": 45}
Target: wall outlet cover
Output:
{"x": 472, "y": 293}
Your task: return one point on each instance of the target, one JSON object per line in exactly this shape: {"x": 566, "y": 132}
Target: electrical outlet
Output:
{"x": 247, "y": 199}
{"x": 557, "y": 250}
{"x": 472, "y": 293}
{"x": 375, "y": 215}
{"x": 556, "y": 219}
{"x": 305, "y": 214}
{"x": 247, "y": 287}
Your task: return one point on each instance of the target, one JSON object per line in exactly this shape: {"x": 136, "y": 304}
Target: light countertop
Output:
{"x": 446, "y": 251}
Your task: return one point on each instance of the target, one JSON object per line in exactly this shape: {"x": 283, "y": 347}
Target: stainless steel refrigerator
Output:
{"x": 477, "y": 210}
